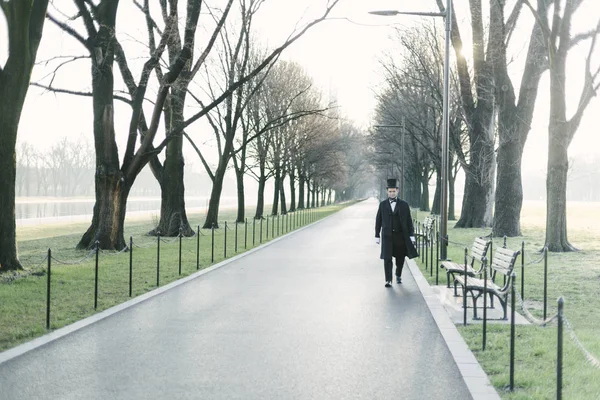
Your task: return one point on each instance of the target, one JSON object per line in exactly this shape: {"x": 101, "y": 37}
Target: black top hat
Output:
{"x": 392, "y": 183}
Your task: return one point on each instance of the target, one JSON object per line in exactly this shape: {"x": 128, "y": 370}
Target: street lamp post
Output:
{"x": 447, "y": 15}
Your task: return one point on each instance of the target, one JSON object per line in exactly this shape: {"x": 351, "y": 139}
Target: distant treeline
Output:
{"x": 67, "y": 169}
{"x": 583, "y": 181}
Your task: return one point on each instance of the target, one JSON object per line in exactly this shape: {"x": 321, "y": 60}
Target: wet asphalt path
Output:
{"x": 306, "y": 317}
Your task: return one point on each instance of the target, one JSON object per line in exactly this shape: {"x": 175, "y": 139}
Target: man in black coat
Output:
{"x": 393, "y": 225}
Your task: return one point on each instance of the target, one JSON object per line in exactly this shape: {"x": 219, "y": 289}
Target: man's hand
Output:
{"x": 412, "y": 239}
{"x": 377, "y": 240}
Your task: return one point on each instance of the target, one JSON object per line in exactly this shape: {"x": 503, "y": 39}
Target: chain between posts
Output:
{"x": 533, "y": 320}
{"x": 588, "y": 356}
{"x": 90, "y": 254}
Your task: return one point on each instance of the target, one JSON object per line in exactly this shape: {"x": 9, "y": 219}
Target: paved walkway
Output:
{"x": 303, "y": 317}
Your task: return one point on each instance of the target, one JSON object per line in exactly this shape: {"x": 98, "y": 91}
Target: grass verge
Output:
{"x": 575, "y": 276}
{"x": 23, "y": 295}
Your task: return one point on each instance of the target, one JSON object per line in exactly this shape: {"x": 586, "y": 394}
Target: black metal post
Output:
{"x": 130, "y": 265}
{"x": 465, "y": 291}
{"x": 484, "y": 339}
{"x": 236, "y": 236}
{"x": 212, "y": 246}
{"x": 437, "y": 258}
{"x": 253, "y": 230}
{"x": 431, "y": 233}
{"x": 512, "y": 331}
{"x": 545, "y": 281}
{"x": 444, "y": 250}
{"x": 504, "y": 245}
{"x": 157, "y": 258}
{"x": 198, "y": 248}
{"x": 96, "y": 276}
{"x": 48, "y": 289}
{"x": 272, "y": 226}
{"x": 559, "y": 348}
{"x": 523, "y": 270}
{"x": 180, "y": 238}
{"x": 225, "y": 241}
{"x": 260, "y": 230}
{"x": 426, "y": 250}
{"x": 246, "y": 234}
{"x": 419, "y": 237}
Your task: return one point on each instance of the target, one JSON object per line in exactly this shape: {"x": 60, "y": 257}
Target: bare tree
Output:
{"x": 557, "y": 34}
{"x": 113, "y": 180}
{"x": 477, "y": 94}
{"x": 235, "y": 62}
{"x": 170, "y": 174}
{"x": 514, "y": 114}
{"x": 25, "y": 22}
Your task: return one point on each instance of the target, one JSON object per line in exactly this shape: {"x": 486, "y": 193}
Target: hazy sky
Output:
{"x": 341, "y": 54}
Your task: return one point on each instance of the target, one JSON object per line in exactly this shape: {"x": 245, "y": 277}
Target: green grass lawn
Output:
{"x": 23, "y": 295}
{"x": 575, "y": 276}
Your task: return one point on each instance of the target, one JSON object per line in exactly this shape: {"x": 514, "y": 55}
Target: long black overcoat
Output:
{"x": 383, "y": 227}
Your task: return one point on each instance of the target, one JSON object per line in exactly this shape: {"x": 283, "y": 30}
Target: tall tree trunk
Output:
{"x": 292, "y": 193}
{"x": 277, "y": 183}
{"x": 282, "y": 197}
{"x": 241, "y": 198}
{"x": 424, "y": 206}
{"x": 173, "y": 215}
{"x": 109, "y": 215}
{"x": 478, "y": 104}
{"x": 111, "y": 188}
{"x": 308, "y": 193}
{"x": 514, "y": 121}
{"x": 435, "y": 207}
{"x": 25, "y": 22}
{"x": 478, "y": 192}
{"x": 212, "y": 216}
{"x": 301, "y": 192}
{"x": 260, "y": 202}
{"x": 451, "y": 197}
{"x": 558, "y": 161}
{"x": 556, "y": 198}
{"x": 12, "y": 97}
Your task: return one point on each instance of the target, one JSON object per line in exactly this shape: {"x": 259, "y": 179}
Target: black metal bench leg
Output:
{"x": 474, "y": 304}
{"x": 491, "y": 300}
{"x": 504, "y": 304}
{"x": 448, "y": 279}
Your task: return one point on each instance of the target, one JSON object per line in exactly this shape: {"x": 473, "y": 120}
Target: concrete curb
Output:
{"x": 66, "y": 330}
{"x": 475, "y": 378}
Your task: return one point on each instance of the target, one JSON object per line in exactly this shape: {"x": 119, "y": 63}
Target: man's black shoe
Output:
{"x": 398, "y": 279}
{"x": 388, "y": 284}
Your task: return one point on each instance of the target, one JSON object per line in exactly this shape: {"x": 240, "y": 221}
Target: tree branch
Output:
{"x": 541, "y": 19}
{"x": 74, "y": 92}
{"x": 206, "y": 166}
{"x": 212, "y": 40}
{"x": 511, "y": 22}
{"x": 69, "y": 30}
{"x": 87, "y": 18}
{"x": 178, "y": 129}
